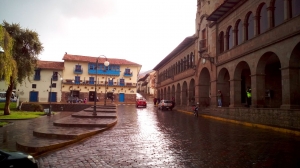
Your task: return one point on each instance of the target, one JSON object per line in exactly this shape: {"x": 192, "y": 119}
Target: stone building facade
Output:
{"x": 236, "y": 45}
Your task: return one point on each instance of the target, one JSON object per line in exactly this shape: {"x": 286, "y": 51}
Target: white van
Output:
{"x": 13, "y": 97}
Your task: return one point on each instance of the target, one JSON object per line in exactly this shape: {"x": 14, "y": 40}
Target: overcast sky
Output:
{"x": 141, "y": 31}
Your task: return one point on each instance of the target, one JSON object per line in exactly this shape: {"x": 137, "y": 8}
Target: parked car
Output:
{"x": 74, "y": 100}
{"x": 141, "y": 102}
{"x": 16, "y": 160}
{"x": 165, "y": 104}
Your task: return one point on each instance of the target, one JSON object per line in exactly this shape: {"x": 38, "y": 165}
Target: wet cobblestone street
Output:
{"x": 147, "y": 137}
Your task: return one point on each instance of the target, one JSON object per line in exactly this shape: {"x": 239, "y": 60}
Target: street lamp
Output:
{"x": 106, "y": 63}
{"x": 50, "y": 97}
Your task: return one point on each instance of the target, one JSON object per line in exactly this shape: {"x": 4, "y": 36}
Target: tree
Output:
{"x": 7, "y": 63}
{"x": 25, "y": 51}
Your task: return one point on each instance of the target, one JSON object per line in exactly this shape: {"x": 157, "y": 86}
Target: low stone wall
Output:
{"x": 58, "y": 107}
{"x": 283, "y": 118}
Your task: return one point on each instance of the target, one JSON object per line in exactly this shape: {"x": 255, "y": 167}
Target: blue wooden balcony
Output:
{"x": 127, "y": 74}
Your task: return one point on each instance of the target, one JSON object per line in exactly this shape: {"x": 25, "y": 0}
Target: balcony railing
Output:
{"x": 202, "y": 45}
{"x": 99, "y": 83}
{"x": 127, "y": 74}
{"x": 78, "y": 70}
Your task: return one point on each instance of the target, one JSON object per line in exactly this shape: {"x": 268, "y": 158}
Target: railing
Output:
{"x": 100, "y": 83}
{"x": 78, "y": 70}
{"x": 127, "y": 74}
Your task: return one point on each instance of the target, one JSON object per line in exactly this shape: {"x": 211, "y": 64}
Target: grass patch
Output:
{"x": 17, "y": 115}
{"x": 2, "y": 123}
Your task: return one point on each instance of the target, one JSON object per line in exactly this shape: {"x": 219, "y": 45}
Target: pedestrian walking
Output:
{"x": 154, "y": 101}
{"x": 196, "y": 110}
{"x": 112, "y": 98}
{"x": 219, "y": 96}
{"x": 248, "y": 93}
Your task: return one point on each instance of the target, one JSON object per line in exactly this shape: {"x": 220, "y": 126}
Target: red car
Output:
{"x": 141, "y": 102}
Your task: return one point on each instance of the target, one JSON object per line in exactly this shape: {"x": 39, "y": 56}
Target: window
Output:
{"x": 77, "y": 68}
{"x": 55, "y": 76}
{"x": 91, "y": 67}
{"x": 221, "y": 42}
{"x": 239, "y": 32}
{"x": 278, "y": 12}
{"x": 250, "y": 26}
{"x": 122, "y": 82}
{"x": 33, "y": 86}
{"x": 127, "y": 71}
{"x": 263, "y": 19}
{"x": 229, "y": 38}
{"x": 53, "y": 85}
{"x": 77, "y": 79}
{"x": 295, "y": 8}
{"x": 110, "y": 81}
{"x": 91, "y": 80}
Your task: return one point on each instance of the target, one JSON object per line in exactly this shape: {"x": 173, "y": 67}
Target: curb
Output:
{"x": 277, "y": 129}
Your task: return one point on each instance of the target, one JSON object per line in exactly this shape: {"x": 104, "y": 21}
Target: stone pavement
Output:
{"x": 46, "y": 133}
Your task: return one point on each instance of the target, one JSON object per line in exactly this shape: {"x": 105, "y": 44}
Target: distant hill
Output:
{"x": 141, "y": 74}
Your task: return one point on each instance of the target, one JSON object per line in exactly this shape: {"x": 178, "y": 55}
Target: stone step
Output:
{"x": 56, "y": 132}
{"x": 83, "y": 114}
{"x": 100, "y": 110}
{"x": 85, "y": 122}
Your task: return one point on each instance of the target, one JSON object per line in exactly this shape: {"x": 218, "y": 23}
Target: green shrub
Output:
{"x": 37, "y": 107}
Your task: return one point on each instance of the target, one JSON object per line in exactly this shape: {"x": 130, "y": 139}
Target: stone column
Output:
{"x": 270, "y": 17}
{"x": 290, "y": 88}
{"x": 258, "y": 90}
{"x": 213, "y": 93}
{"x": 256, "y": 25}
{"x": 287, "y": 9}
{"x": 235, "y": 93}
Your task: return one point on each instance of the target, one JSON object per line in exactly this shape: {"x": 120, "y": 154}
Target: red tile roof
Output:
{"x": 80, "y": 58}
{"x": 50, "y": 65}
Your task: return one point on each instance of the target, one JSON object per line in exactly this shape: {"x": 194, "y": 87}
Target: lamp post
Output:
{"x": 106, "y": 63}
{"x": 50, "y": 96}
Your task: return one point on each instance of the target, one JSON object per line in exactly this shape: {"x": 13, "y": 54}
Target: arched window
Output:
{"x": 239, "y": 32}
{"x": 191, "y": 60}
{"x": 184, "y": 63}
{"x": 250, "y": 26}
{"x": 221, "y": 41}
{"x": 188, "y": 62}
{"x": 278, "y": 13}
{"x": 181, "y": 64}
{"x": 179, "y": 68}
{"x": 295, "y": 8}
{"x": 176, "y": 68}
{"x": 263, "y": 19}
{"x": 229, "y": 38}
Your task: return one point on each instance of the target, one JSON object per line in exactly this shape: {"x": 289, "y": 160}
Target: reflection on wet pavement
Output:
{"x": 147, "y": 137}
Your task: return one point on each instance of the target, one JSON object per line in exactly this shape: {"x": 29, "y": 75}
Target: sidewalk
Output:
{"x": 46, "y": 133}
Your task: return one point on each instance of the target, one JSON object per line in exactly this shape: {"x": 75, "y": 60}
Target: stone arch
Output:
{"x": 178, "y": 91}
{"x": 169, "y": 93}
{"x": 249, "y": 26}
{"x": 291, "y": 80}
{"x": 165, "y": 93}
{"x": 262, "y": 15}
{"x": 239, "y": 83}
{"x": 204, "y": 88}
{"x": 173, "y": 92}
{"x": 239, "y": 32}
{"x": 277, "y": 7}
{"x": 223, "y": 84}
{"x": 267, "y": 77}
{"x": 184, "y": 94}
{"x": 192, "y": 92}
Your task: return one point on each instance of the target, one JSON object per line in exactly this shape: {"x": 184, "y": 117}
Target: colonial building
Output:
{"x": 146, "y": 83}
{"x": 81, "y": 78}
{"x": 37, "y": 87}
{"x": 239, "y": 44}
